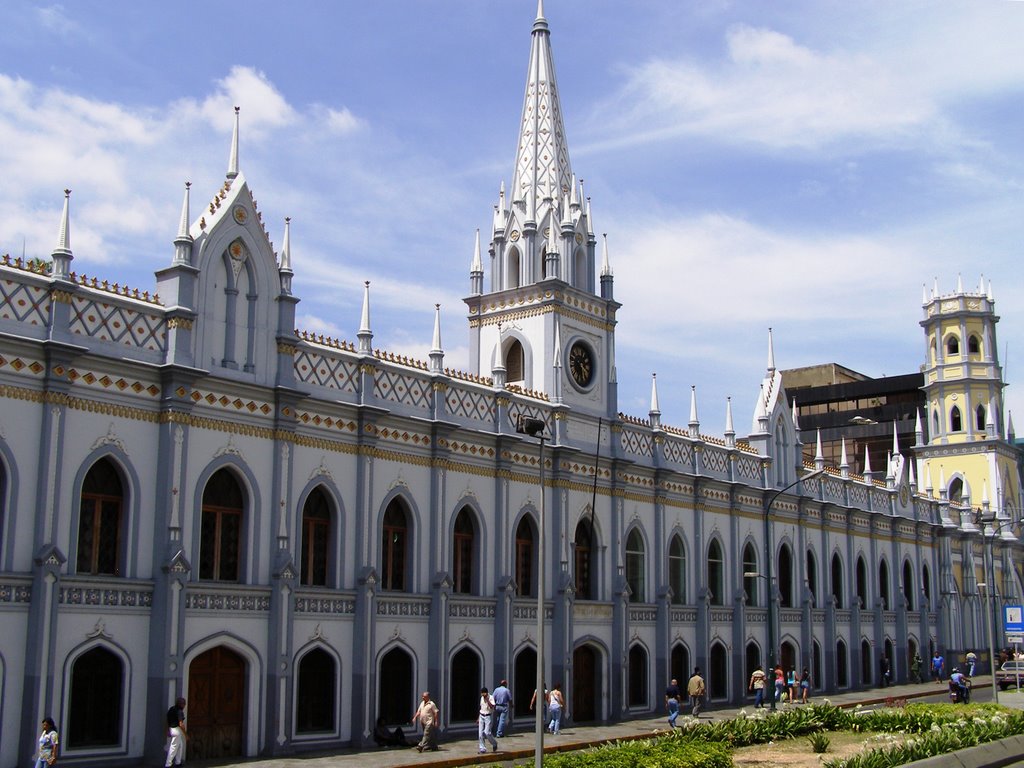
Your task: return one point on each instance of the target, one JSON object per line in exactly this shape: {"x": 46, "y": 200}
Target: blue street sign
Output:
{"x": 1013, "y": 619}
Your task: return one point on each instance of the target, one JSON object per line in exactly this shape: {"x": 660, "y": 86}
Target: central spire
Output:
{"x": 542, "y": 167}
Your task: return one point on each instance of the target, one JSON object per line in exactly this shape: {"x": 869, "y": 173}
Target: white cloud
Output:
{"x": 55, "y": 19}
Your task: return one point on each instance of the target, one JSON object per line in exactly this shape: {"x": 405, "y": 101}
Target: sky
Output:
{"x": 806, "y": 165}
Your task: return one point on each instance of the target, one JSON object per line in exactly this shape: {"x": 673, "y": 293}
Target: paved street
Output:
{"x": 519, "y": 747}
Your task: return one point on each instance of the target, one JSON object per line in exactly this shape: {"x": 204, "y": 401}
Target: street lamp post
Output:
{"x": 991, "y": 639}
{"x": 535, "y": 428}
{"x": 981, "y": 521}
{"x": 768, "y": 570}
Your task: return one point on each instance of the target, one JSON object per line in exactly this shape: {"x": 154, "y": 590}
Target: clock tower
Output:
{"x": 546, "y": 323}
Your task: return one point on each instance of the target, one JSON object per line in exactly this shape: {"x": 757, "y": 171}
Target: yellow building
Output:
{"x": 967, "y": 451}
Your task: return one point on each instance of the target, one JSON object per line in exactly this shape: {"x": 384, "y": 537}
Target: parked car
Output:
{"x": 1009, "y": 673}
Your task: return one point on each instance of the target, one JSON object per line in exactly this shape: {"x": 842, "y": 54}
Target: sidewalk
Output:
{"x": 518, "y": 748}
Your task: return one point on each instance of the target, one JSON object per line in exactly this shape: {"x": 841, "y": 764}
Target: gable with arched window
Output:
{"x": 973, "y": 345}
{"x": 220, "y": 542}
{"x": 395, "y": 547}
{"x": 979, "y": 418}
{"x": 635, "y": 563}
{"x": 100, "y": 520}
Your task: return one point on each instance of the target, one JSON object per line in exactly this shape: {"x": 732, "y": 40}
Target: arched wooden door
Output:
{"x": 215, "y": 714}
{"x": 586, "y": 684}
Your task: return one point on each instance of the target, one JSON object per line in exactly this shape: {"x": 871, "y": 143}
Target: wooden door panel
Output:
{"x": 216, "y": 707}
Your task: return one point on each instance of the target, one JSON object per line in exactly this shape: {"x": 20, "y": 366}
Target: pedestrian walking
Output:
{"x": 176, "y": 733}
{"x": 791, "y": 684}
{"x": 937, "y": 663}
{"x": 49, "y": 742}
{"x": 502, "y": 703}
{"x": 483, "y": 722}
{"x": 883, "y": 668}
{"x": 543, "y": 704}
{"x": 915, "y": 668}
{"x": 757, "y": 681}
{"x": 972, "y": 662}
{"x": 805, "y": 685}
{"x": 695, "y": 690}
{"x": 672, "y": 697}
{"x": 430, "y": 718}
{"x": 556, "y": 703}
{"x": 780, "y": 682}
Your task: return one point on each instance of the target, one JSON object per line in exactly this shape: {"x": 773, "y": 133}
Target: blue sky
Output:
{"x": 801, "y": 165}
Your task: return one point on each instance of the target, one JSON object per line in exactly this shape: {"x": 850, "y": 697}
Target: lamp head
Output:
{"x": 526, "y": 425}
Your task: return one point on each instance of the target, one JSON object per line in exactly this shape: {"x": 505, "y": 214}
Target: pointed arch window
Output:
{"x": 812, "y": 576}
{"x": 514, "y": 362}
{"x": 750, "y": 567}
{"x": 908, "y": 585}
{"x": 935, "y": 422}
{"x": 979, "y": 417}
{"x": 316, "y": 699}
{"x": 524, "y": 558}
{"x": 973, "y": 345}
{"x": 99, "y": 521}
{"x": 956, "y": 490}
{"x": 953, "y": 345}
{"x": 95, "y": 710}
{"x": 635, "y": 567}
{"x": 394, "y": 547}
{"x": 883, "y": 585}
{"x": 837, "y": 580}
{"x": 956, "y": 422}
{"x": 316, "y": 539}
{"x": 716, "y": 573}
{"x": 221, "y": 535}
{"x": 677, "y": 570}
{"x": 584, "y": 573}
{"x": 926, "y": 585}
{"x": 637, "y": 676}
{"x": 514, "y": 268}
{"x": 463, "y": 548}
{"x": 862, "y": 583}
{"x": 785, "y": 572}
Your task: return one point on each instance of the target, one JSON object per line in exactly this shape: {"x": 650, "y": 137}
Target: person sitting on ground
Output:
{"x": 386, "y": 737}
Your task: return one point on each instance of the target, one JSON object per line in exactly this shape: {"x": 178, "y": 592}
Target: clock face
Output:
{"x": 581, "y": 364}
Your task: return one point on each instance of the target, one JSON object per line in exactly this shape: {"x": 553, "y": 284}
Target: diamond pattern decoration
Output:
{"x": 678, "y": 452}
{"x": 749, "y": 467}
{"x": 716, "y": 459}
{"x": 637, "y": 443}
{"x": 120, "y": 324}
{"x": 24, "y": 303}
{"x": 402, "y": 388}
{"x": 469, "y": 404}
{"x": 333, "y": 372}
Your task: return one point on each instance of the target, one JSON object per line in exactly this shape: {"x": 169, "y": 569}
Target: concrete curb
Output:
{"x": 994, "y": 754}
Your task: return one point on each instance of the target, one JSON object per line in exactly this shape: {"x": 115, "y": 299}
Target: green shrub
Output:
{"x": 659, "y": 753}
{"x": 819, "y": 742}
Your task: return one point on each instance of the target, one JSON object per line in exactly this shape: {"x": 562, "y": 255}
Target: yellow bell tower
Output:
{"x": 967, "y": 447}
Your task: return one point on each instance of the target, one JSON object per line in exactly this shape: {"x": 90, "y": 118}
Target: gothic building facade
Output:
{"x": 299, "y": 534}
